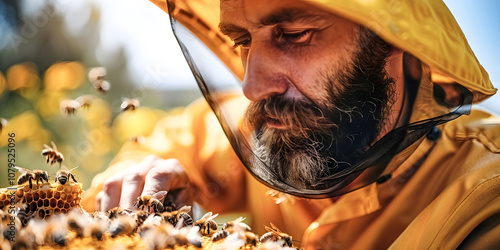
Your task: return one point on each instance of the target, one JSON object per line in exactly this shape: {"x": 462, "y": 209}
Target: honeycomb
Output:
{"x": 49, "y": 216}
{"x": 42, "y": 200}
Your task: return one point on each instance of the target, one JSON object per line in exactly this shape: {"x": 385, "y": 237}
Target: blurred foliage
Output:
{"x": 38, "y": 72}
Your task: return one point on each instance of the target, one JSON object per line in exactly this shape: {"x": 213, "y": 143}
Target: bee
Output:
{"x": 97, "y": 73}
{"x": 114, "y": 212}
{"x": 207, "y": 223}
{"x": 96, "y": 229}
{"x": 52, "y": 155}
{"x": 249, "y": 237}
{"x": 129, "y": 104}
{"x": 140, "y": 216}
{"x": 101, "y": 86}
{"x": 74, "y": 224}
{"x": 69, "y": 107}
{"x": 85, "y": 101}
{"x": 3, "y": 123}
{"x": 137, "y": 140}
{"x": 122, "y": 225}
{"x": 236, "y": 223}
{"x": 64, "y": 175}
{"x": 151, "y": 201}
{"x": 274, "y": 234}
{"x": 222, "y": 234}
{"x": 175, "y": 216}
{"x": 28, "y": 176}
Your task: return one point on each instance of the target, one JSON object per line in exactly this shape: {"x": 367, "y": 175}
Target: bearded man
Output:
{"x": 350, "y": 128}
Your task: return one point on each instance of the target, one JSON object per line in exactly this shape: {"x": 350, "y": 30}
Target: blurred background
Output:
{"x": 48, "y": 47}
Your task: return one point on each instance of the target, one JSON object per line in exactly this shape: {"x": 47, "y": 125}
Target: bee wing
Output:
{"x": 54, "y": 145}
{"x": 47, "y": 147}
{"x": 160, "y": 195}
{"x": 213, "y": 216}
{"x": 239, "y": 220}
{"x": 21, "y": 170}
{"x": 206, "y": 216}
{"x": 185, "y": 209}
{"x": 275, "y": 227}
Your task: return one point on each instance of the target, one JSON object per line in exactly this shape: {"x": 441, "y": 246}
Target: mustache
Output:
{"x": 300, "y": 117}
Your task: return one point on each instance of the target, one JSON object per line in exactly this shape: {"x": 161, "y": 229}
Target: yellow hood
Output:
{"x": 425, "y": 28}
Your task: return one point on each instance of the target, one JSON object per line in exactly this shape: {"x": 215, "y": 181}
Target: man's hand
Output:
{"x": 148, "y": 177}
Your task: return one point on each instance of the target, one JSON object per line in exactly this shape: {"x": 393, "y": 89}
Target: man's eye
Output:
{"x": 243, "y": 41}
{"x": 295, "y": 37}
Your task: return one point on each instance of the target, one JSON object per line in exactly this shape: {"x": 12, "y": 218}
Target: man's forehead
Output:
{"x": 267, "y": 12}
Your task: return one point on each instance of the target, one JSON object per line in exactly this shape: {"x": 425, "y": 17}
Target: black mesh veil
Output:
{"x": 219, "y": 86}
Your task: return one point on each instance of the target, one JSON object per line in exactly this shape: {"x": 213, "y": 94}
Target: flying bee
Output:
{"x": 207, "y": 223}
{"x": 3, "y": 123}
{"x": 129, "y": 104}
{"x": 236, "y": 223}
{"x": 64, "y": 176}
{"x": 97, "y": 73}
{"x": 102, "y": 86}
{"x": 151, "y": 201}
{"x": 69, "y": 107}
{"x": 52, "y": 155}
{"x": 28, "y": 176}
{"x": 175, "y": 216}
{"x": 85, "y": 101}
{"x": 274, "y": 234}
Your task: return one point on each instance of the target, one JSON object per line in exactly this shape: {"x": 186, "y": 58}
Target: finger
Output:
{"x": 98, "y": 199}
{"x": 111, "y": 192}
{"x": 133, "y": 182}
{"x": 166, "y": 175}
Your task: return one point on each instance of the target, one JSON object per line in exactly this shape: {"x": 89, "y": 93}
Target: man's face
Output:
{"x": 317, "y": 85}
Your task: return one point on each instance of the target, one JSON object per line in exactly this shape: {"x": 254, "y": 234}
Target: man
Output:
{"x": 352, "y": 103}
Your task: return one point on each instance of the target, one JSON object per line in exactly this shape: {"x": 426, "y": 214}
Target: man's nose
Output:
{"x": 263, "y": 77}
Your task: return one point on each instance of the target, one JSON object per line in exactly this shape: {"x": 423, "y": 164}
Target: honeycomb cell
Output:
{"x": 60, "y": 188}
{"x": 63, "y": 196}
{"x": 19, "y": 193}
{"x": 67, "y": 189}
{"x": 36, "y": 196}
{"x": 39, "y": 203}
{"x": 43, "y": 195}
{"x": 3, "y": 196}
{"x": 66, "y": 206}
{"x": 77, "y": 188}
{"x": 49, "y": 193}
{"x": 57, "y": 195}
{"x": 41, "y": 213}
{"x": 33, "y": 207}
{"x": 6, "y": 202}
{"x": 46, "y": 203}
{"x": 60, "y": 204}
{"x": 28, "y": 198}
{"x": 57, "y": 211}
{"x": 53, "y": 203}
{"x": 70, "y": 198}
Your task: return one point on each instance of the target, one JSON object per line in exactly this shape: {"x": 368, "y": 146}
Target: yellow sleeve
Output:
{"x": 195, "y": 138}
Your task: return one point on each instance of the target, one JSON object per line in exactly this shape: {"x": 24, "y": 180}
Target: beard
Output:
{"x": 319, "y": 141}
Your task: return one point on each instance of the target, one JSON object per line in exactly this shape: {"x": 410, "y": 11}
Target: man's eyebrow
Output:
{"x": 228, "y": 29}
{"x": 291, "y": 15}
{"x": 281, "y": 16}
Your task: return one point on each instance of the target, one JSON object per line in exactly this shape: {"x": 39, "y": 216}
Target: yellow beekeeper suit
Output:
{"x": 442, "y": 195}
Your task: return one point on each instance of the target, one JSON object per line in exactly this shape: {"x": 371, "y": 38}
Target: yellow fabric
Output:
{"x": 424, "y": 28}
